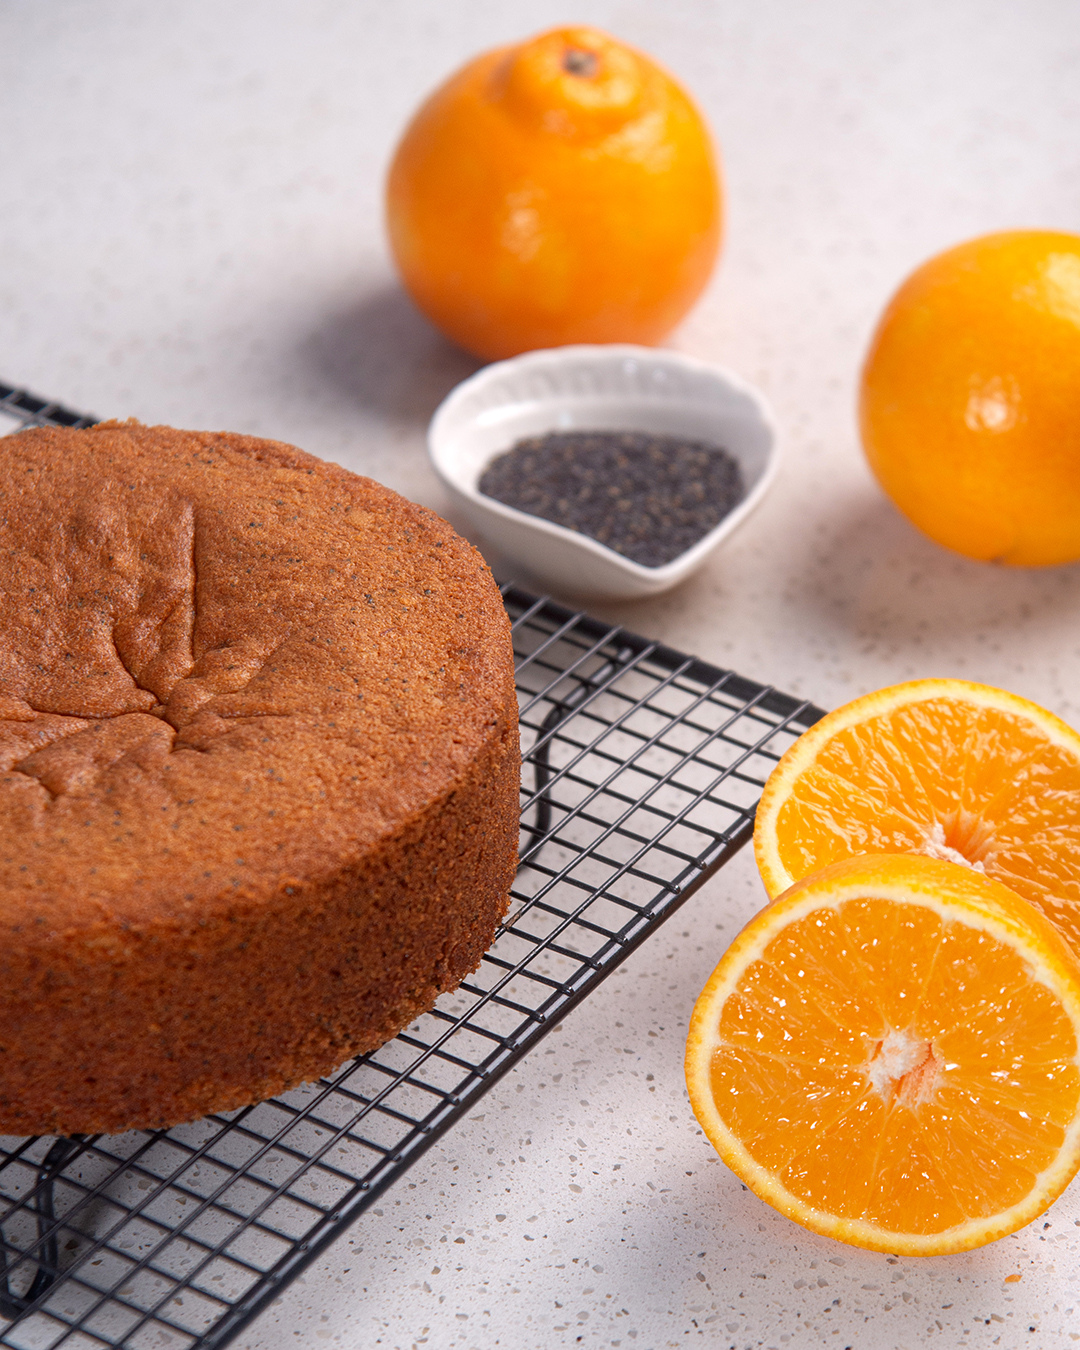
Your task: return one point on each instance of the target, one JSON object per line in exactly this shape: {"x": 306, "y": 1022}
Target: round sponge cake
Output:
{"x": 258, "y": 771}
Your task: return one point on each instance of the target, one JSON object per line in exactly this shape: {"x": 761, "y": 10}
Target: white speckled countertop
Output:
{"x": 191, "y": 233}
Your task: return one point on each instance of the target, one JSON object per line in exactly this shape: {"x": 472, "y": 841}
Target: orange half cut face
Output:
{"x": 888, "y": 1054}
{"x": 943, "y": 768}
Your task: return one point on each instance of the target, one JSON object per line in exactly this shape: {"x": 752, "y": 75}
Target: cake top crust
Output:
{"x": 222, "y": 662}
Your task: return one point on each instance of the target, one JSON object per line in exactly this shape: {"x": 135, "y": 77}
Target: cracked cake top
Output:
{"x": 221, "y": 660}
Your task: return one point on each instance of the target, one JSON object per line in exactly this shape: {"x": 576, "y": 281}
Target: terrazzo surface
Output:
{"x": 192, "y": 234}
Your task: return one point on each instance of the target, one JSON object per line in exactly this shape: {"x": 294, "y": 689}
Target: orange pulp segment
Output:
{"x": 945, "y": 768}
{"x": 888, "y": 1054}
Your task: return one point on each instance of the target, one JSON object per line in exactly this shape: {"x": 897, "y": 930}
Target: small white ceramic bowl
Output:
{"x": 602, "y": 388}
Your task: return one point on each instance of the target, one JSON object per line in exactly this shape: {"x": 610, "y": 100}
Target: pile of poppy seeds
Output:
{"x": 649, "y": 498}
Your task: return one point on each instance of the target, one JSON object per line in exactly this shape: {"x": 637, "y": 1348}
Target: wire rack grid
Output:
{"x": 19, "y": 409}
{"x": 642, "y": 768}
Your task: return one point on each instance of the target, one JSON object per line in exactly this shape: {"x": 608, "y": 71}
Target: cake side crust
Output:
{"x": 165, "y": 1024}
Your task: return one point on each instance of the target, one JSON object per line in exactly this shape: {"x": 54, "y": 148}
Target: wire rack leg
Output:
{"x": 43, "y": 1204}
{"x": 540, "y": 757}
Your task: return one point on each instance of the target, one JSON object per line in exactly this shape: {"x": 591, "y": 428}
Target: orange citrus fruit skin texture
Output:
{"x": 969, "y": 409}
{"x": 562, "y": 190}
{"x": 887, "y": 1054}
{"x": 946, "y": 768}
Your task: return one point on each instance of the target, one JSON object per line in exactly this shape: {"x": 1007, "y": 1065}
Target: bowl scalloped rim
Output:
{"x": 551, "y": 382}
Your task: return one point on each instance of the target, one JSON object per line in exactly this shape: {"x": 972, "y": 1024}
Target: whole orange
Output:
{"x": 970, "y": 402}
{"x": 562, "y": 190}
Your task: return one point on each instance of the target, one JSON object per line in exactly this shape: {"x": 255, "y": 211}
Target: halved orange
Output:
{"x": 945, "y": 768}
{"x": 888, "y": 1054}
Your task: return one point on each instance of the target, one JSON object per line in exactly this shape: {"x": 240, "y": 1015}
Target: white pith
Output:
{"x": 936, "y": 847}
{"x": 903, "y": 1066}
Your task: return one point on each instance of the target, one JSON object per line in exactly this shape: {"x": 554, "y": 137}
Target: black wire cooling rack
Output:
{"x": 642, "y": 768}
